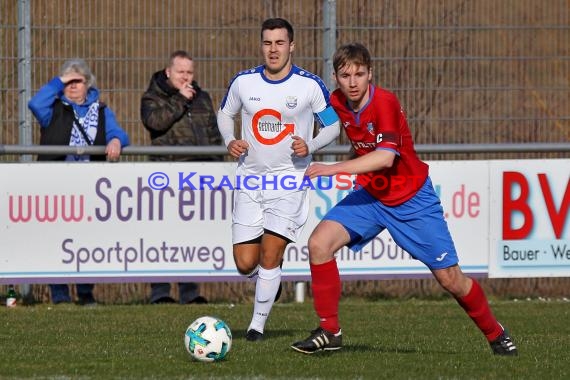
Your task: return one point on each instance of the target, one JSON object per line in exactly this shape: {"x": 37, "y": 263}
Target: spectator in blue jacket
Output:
{"x": 69, "y": 112}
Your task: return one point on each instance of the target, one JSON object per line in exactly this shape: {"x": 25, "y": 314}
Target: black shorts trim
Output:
{"x": 257, "y": 240}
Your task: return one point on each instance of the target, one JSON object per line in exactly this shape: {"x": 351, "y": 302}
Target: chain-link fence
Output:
{"x": 466, "y": 71}
{"x": 482, "y": 71}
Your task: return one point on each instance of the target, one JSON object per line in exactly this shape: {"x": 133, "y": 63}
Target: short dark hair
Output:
{"x": 277, "y": 23}
{"x": 352, "y": 53}
{"x": 178, "y": 54}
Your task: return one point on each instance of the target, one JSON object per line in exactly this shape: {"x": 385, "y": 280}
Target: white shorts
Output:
{"x": 282, "y": 212}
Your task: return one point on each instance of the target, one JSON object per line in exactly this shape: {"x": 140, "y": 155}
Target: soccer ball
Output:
{"x": 208, "y": 339}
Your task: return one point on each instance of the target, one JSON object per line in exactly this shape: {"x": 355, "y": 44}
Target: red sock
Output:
{"x": 326, "y": 294}
{"x": 476, "y": 306}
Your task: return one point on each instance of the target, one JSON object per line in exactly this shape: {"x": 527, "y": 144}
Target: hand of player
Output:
{"x": 299, "y": 146}
{"x": 237, "y": 147}
{"x": 318, "y": 170}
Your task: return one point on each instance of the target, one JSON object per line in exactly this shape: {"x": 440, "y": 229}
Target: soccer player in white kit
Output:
{"x": 279, "y": 103}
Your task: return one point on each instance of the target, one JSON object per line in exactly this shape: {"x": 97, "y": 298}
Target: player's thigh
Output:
{"x": 360, "y": 216}
{"x": 287, "y": 214}
{"x": 328, "y": 237}
{"x": 419, "y": 227}
{"x": 247, "y": 216}
{"x": 246, "y": 256}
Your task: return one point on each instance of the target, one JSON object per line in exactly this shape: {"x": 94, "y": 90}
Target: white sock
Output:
{"x": 253, "y": 274}
{"x": 265, "y": 290}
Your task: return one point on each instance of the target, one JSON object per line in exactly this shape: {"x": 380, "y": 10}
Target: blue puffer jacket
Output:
{"x": 42, "y": 105}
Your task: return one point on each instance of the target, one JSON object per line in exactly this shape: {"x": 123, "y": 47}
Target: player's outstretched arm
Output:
{"x": 373, "y": 161}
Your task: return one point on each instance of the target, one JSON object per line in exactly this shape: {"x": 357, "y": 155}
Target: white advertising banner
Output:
{"x": 108, "y": 222}
{"x": 463, "y": 190}
{"x": 530, "y": 232}
{"x": 129, "y": 222}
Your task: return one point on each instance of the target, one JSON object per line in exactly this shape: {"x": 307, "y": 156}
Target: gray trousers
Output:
{"x": 187, "y": 291}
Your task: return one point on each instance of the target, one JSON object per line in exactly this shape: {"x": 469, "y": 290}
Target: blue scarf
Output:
{"x": 89, "y": 124}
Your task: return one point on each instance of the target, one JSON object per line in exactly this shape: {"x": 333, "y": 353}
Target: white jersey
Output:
{"x": 271, "y": 112}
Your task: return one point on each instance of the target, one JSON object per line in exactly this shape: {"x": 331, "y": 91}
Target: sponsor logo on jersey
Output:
{"x": 291, "y": 102}
{"x": 254, "y": 99}
{"x": 363, "y": 145}
{"x": 370, "y": 128}
{"x": 268, "y": 128}
{"x": 442, "y": 256}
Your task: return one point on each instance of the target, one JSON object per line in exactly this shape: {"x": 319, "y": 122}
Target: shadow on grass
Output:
{"x": 296, "y": 335}
{"x": 355, "y": 349}
{"x": 375, "y": 348}
{"x": 268, "y": 334}
{"x": 370, "y": 348}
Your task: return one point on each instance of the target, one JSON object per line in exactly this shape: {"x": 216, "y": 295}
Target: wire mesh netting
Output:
{"x": 465, "y": 71}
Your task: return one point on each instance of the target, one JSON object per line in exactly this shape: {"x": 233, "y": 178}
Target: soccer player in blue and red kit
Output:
{"x": 394, "y": 192}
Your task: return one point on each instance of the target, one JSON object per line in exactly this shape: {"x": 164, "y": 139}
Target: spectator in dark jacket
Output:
{"x": 176, "y": 111}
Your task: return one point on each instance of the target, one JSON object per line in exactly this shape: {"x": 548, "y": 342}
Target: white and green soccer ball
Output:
{"x": 208, "y": 339}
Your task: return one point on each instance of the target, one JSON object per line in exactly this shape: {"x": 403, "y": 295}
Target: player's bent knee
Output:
{"x": 447, "y": 285}
{"x": 452, "y": 281}
{"x": 246, "y": 269}
{"x": 318, "y": 249}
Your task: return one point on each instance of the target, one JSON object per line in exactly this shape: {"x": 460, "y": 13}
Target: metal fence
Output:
{"x": 475, "y": 72}
{"x": 467, "y": 72}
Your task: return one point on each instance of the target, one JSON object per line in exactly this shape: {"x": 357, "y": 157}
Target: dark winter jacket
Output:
{"x": 173, "y": 120}
{"x": 58, "y": 131}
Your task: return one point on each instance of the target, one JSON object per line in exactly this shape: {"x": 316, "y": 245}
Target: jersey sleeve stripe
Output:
{"x": 253, "y": 70}
{"x": 396, "y": 152}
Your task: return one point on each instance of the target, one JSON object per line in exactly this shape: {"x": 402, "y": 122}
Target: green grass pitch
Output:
{"x": 387, "y": 339}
